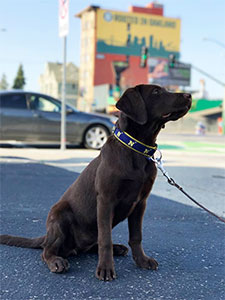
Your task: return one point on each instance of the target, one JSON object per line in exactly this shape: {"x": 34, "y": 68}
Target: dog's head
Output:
{"x": 145, "y": 104}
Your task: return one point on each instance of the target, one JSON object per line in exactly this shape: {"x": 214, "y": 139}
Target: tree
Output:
{"x": 19, "y": 81}
{"x": 3, "y": 83}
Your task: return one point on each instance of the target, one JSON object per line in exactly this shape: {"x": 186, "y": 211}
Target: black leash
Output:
{"x": 171, "y": 181}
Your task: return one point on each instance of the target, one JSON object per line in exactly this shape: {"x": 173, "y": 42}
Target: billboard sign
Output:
{"x": 63, "y": 18}
{"x": 180, "y": 74}
{"x": 160, "y": 73}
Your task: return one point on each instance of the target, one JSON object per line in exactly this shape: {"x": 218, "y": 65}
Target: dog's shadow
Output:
{"x": 180, "y": 237}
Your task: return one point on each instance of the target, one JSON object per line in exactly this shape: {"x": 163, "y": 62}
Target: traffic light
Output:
{"x": 144, "y": 56}
{"x": 172, "y": 60}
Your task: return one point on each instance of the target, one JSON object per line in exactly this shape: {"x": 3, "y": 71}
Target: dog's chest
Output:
{"x": 129, "y": 195}
{"x": 122, "y": 211}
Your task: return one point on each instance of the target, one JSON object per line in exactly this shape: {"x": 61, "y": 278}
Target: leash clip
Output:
{"x": 159, "y": 164}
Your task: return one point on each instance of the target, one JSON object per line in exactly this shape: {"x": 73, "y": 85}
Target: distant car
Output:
{"x": 34, "y": 117}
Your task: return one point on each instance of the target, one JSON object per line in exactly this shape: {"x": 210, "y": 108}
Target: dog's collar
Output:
{"x": 134, "y": 144}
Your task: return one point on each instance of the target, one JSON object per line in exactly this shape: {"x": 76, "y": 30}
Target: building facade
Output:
{"x": 123, "y": 49}
{"x": 51, "y": 82}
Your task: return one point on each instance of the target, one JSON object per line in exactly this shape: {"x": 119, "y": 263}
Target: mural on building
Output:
{"x": 126, "y": 33}
{"x": 120, "y": 38}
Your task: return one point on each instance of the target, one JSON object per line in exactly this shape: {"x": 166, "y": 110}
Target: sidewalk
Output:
{"x": 196, "y": 163}
{"x": 192, "y": 143}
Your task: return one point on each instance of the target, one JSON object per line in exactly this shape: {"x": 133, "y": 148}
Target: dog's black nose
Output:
{"x": 187, "y": 96}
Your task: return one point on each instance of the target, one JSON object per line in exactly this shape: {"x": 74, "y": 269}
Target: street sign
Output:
{"x": 63, "y": 18}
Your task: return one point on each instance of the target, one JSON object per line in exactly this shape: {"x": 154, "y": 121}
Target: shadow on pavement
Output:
{"x": 188, "y": 244}
{"x": 37, "y": 146}
{"x": 65, "y": 161}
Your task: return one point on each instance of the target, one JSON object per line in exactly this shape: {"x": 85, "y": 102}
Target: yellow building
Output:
{"x": 122, "y": 49}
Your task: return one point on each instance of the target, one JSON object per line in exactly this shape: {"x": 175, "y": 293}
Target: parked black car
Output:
{"x": 34, "y": 117}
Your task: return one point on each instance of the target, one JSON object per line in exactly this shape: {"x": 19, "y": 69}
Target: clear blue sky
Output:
{"x": 31, "y": 36}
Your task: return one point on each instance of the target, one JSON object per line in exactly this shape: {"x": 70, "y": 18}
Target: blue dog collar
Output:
{"x": 134, "y": 144}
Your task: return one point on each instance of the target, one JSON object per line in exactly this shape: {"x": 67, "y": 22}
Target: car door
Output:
{"x": 16, "y": 117}
{"x": 47, "y": 117}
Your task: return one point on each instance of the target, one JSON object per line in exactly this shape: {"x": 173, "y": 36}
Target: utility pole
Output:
{"x": 220, "y": 83}
{"x": 63, "y": 32}
{"x": 63, "y": 110}
{"x": 223, "y": 109}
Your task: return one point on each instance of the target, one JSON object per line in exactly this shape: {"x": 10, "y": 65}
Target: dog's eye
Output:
{"x": 156, "y": 92}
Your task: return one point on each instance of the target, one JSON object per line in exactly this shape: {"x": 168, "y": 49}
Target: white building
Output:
{"x": 51, "y": 81}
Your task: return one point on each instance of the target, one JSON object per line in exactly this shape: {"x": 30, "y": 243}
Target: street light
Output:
{"x": 214, "y": 41}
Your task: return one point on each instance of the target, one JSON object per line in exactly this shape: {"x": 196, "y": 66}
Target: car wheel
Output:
{"x": 95, "y": 137}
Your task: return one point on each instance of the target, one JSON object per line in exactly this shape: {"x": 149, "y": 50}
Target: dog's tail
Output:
{"x": 35, "y": 243}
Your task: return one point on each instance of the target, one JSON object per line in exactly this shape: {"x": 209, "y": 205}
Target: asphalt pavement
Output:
{"x": 188, "y": 243}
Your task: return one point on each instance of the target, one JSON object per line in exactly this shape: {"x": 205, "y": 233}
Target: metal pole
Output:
{"x": 223, "y": 115}
{"x": 215, "y": 41}
{"x": 63, "y": 110}
{"x": 208, "y": 75}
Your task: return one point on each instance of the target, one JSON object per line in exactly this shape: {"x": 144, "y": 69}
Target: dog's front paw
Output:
{"x": 146, "y": 262}
{"x": 58, "y": 265}
{"x": 105, "y": 272}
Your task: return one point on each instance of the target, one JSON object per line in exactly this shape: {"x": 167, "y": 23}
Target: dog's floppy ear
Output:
{"x": 132, "y": 104}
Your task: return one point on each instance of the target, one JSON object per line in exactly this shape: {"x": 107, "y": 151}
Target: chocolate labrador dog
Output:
{"x": 113, "y": 187}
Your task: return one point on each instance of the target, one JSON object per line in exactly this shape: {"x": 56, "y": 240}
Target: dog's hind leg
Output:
{"x": 51, "y": 254}
{"x": 60, "y": 239}
{"x": 56, "y": 248}
{"x": 56, "y": 264}
{"x": 118, "y": 250}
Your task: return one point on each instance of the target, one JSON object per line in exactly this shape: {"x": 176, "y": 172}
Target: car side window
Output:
{"x": 15, "y": 101}
{"x": 43, "y": 104}
{"x": 47, "y": 105}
